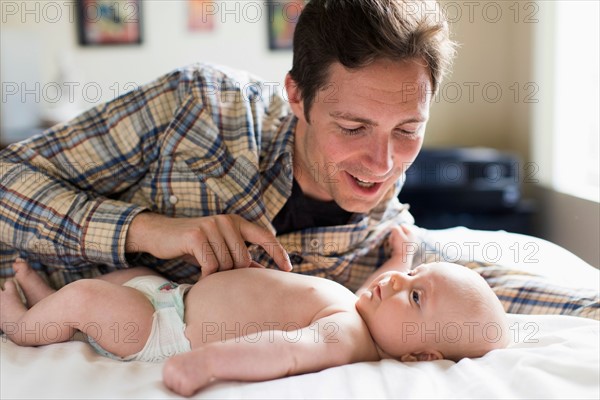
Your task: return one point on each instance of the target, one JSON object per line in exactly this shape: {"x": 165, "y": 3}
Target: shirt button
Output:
{"x": 315, "y": 243}
{"x": 173, "y": 199}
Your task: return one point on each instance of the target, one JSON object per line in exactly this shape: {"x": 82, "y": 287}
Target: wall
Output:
{"x": 240, "y": 39}
{"x": 570, "y": 222}
{"x": 474, "y": 108}
{"x": 484, "y": 102}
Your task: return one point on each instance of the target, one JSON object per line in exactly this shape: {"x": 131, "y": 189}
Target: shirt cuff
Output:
{"x": 105, "y": 232}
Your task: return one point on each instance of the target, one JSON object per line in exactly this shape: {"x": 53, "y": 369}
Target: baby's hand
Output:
{"x": 403, "y": 245}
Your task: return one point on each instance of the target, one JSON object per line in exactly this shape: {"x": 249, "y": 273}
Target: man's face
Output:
{"x": 366, "y": 128}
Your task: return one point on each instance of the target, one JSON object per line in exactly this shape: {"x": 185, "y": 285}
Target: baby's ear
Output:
{"x": 423, "y": 356}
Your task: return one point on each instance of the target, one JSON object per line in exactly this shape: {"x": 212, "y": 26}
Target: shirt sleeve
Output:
{"x": 59, "y": 191}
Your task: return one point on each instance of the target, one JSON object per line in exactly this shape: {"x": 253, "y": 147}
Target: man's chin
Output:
{"x": 357, "y": 206}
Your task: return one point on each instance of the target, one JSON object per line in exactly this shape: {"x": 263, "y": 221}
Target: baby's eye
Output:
{"x": 416, "y": 298}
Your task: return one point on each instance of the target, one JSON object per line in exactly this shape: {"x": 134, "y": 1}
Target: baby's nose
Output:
{"x": 397, "y": 281}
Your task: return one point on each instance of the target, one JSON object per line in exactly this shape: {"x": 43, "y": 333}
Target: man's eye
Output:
{"x": 352, "y": 132}
{"x": 416, "y": 298}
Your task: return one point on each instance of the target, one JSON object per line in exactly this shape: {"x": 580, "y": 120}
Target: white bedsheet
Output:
{"x": 550, "y": 357}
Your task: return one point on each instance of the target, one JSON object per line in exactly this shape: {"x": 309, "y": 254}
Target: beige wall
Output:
{"x": 46, "y": 31}
{"x": 500, "y": 54}
{"x": 494, "y": 53}
{"x": 570, "y": 222}
{"x": 494, "y": 58}
{"x": 239, "y": 39}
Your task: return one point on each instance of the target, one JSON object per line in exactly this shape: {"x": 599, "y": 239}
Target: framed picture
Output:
{"x": 201, "y": 15}
{"x": 283, "y": 16}
{"x": 109, "y": 22}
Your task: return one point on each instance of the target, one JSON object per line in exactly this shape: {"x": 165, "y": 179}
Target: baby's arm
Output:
{"x": 400, "y": 260}
{"x": 340, "y": 338}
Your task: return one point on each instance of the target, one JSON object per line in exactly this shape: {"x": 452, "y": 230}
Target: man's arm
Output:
{"x": 338, "y": 339}
{"x": 57, "y": 190}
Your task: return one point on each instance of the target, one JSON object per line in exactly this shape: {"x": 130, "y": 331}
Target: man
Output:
{"x": 187, "y": 171}
{"x": 190, "y": 174}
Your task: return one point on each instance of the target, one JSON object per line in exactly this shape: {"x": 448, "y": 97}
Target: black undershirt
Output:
{"x": 302, "y": 212}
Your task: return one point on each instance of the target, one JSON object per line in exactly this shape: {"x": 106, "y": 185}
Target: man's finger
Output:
{"x": 207, "y": 260}
{"x": 262, "y": 237}
{"x": 236, "y": 245}
{"x": 254, "y": 264}
{"x": 224, "y": 255}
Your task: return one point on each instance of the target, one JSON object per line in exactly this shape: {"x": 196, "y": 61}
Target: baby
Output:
{"x": 258, "y": 324}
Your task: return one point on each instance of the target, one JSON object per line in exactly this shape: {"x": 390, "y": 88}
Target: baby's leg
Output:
{"x": 11, "y": 307}
{"x": 186, "y": 373}
{"x": 118, "y": 318}
{"x": 33, "y": 286}
{"x": 121, "y": 276}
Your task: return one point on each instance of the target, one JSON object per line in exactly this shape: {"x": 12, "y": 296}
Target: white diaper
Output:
{"x": 167, "y": 337}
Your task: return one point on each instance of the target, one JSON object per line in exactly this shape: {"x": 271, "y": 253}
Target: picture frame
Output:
{"x": 109, "y": 22}
{"x": 282, "y": 18}
{"x": 201, "y": 15}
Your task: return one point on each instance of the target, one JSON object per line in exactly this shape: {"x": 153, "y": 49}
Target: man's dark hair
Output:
{"x": 357, "y": 32}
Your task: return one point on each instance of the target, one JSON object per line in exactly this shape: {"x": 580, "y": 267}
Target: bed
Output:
{"x": 549, "y": 357}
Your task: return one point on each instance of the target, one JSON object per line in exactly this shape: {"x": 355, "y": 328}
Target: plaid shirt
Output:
{"x": 199, "y": 141}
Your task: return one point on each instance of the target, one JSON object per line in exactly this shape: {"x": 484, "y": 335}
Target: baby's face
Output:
{"x": 429, "y": 312}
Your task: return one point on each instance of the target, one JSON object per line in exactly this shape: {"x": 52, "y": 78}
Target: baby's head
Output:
{"x": 438, "y": 310}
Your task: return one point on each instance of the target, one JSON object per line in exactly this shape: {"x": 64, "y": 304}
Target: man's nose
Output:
{"x": 380, "y": 156}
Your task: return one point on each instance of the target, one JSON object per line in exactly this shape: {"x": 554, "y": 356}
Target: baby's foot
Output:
{"x": 33, "y": 286}
{"x": 11, "y": 307}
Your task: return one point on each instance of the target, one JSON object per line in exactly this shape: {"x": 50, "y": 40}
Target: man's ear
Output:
{"x": 431, "y": 355}
{"x": 294, "y": 96}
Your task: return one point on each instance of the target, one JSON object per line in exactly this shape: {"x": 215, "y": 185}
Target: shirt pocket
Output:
{"x": 180, "y": 192}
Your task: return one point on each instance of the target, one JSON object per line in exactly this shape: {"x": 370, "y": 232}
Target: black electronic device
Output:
{"x": 474, "y": 187}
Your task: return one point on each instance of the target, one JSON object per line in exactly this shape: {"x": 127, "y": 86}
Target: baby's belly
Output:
{"x": 223, "y": 317}
{"x": 257, "y": 304}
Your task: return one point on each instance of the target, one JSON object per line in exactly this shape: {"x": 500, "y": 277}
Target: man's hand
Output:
{"x": 214, "y": 243}
{"x": 403, "y": 244}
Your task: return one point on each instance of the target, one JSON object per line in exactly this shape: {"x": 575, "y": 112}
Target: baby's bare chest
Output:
{"x": 223, "y": 309}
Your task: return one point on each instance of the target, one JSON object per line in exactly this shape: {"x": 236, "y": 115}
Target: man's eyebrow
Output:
{"x": 351, "y": 117}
